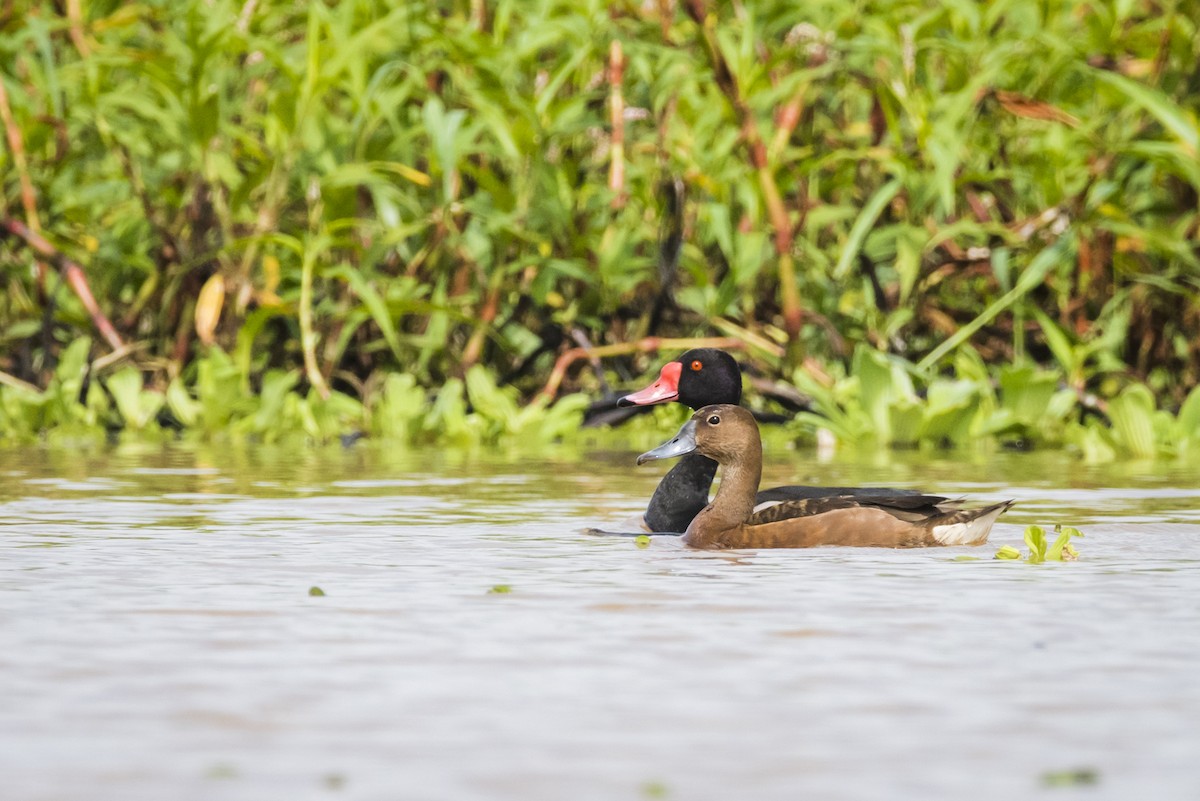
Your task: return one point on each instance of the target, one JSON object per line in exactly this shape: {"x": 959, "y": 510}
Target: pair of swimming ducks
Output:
{"x": 723, "y": 433}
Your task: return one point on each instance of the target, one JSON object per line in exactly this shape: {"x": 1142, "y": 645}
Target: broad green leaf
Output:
{"x": 1132, "y": 416}
{"x": 1062, "y": 550}
{"x": 181, "y": 404}
{"x": 1035, "y": 540}
{"x": 136, "y": 406}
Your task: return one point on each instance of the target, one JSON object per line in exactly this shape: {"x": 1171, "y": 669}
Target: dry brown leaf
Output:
{"x": 208, "y": 308}
{"x": 1021, "y": 105}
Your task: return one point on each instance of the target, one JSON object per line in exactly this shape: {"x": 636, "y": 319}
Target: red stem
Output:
{"x": 71, "y": 272}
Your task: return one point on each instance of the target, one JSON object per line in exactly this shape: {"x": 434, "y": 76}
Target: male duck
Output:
{"x": 699, "y": 378}
{"x": 729, "y": 434}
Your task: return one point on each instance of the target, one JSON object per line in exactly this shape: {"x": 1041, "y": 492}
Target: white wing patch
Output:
{"x": 973, "y": 532}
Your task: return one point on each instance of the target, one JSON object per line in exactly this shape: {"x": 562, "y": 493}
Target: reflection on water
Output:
{"x": 158, "y": 639}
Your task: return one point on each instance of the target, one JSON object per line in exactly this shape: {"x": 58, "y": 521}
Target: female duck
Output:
{"x": 701, "y": 377}
{"x": 729, "y": 434}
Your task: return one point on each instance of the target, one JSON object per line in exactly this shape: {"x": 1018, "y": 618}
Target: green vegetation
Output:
{"x": 316, "y": 592}
{"x": 500, "y": 589}
{"x": 1040, "y": 551}
{"x": 885, "y": 399}
{"x": 1075, "y": 777}
{"x": 393, "y": 216}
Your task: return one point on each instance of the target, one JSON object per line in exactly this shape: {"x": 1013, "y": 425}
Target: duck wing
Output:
{"x": 909, "y": 507}
{"x": 798, "y": 492}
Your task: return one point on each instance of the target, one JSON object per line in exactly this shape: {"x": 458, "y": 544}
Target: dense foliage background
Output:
{"x": 311, "y": 215}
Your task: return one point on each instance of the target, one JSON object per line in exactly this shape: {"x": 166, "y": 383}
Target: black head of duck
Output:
{"x": 729, "y": 435}
{"x": 699, "y": 377}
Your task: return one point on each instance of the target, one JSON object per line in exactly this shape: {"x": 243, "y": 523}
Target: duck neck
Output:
{"x": 681, "y": 494}
{"x": 732, "y": 506}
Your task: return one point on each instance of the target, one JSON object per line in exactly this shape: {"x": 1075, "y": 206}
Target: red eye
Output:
{"x": 697, "y": 365}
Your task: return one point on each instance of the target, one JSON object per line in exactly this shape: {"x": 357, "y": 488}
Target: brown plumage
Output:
{"x": 729, "y": 435}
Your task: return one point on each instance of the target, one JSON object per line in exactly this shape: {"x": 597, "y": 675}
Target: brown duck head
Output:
{"x": 723, "y": 432}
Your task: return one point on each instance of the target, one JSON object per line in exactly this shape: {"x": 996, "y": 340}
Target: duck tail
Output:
{"x": 967, "y": 526}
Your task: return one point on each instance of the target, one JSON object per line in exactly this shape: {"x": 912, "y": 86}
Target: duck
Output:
{"x": 729, "y": 435}
{"x": 701, "y": 377}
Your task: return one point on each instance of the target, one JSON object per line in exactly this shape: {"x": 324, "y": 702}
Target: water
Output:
{"x": 157, "y": 638}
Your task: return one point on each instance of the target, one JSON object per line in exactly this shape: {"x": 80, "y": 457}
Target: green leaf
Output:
{"x": 1173, "y": 117}
{"x": 375, "y": 305}
{"x": 1007, "y": 552}
{"x": 1056, "y": 339}
{"x": 862, "y": 226}
{"x": 1132, "y": 416}
{"x": 1188, "y": 420}
{"x": 1035, "y": 539}
{"x": 136, "y": 406}
{"x": 1026, "y": 391}
{"x": 1032, "y": 276}
{"x": 71, "y": 366}
{"x": 1061, "y": 550}
{"x": 181, "y": 404}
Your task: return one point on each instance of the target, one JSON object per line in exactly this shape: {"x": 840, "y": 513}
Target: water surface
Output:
{"x": 157, "y": 638}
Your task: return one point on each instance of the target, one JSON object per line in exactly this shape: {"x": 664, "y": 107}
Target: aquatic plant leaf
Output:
{"x": 489, "y": 400}
{"x": 1007, "y": 552}
{"x": 219, "y": 389}
{"x": 181, "y": 403}
{"x": 882, "y": 388}
{"x": 1077, "y": 777}
{"x": 1132, "y": 416}
{"x": 1062, "y": 403}
{"x": 1027, "y": 391}
{"x": 905, "y": 421}
{"x": 1061, "y": 550}
{"x": 276, "y": 386}
{"x": 1035, "y": 540}
{"x": 1188, "y": 420}
{"x": 949, "y": 409}
{"x": 1094, "y": 441}
{"x": 449, "y": 412}
{"x": 71, "y": 366}
{"x": 400, "y": 408}
{"x": 336, "y": 415}
{"x": 126, "y": 388}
